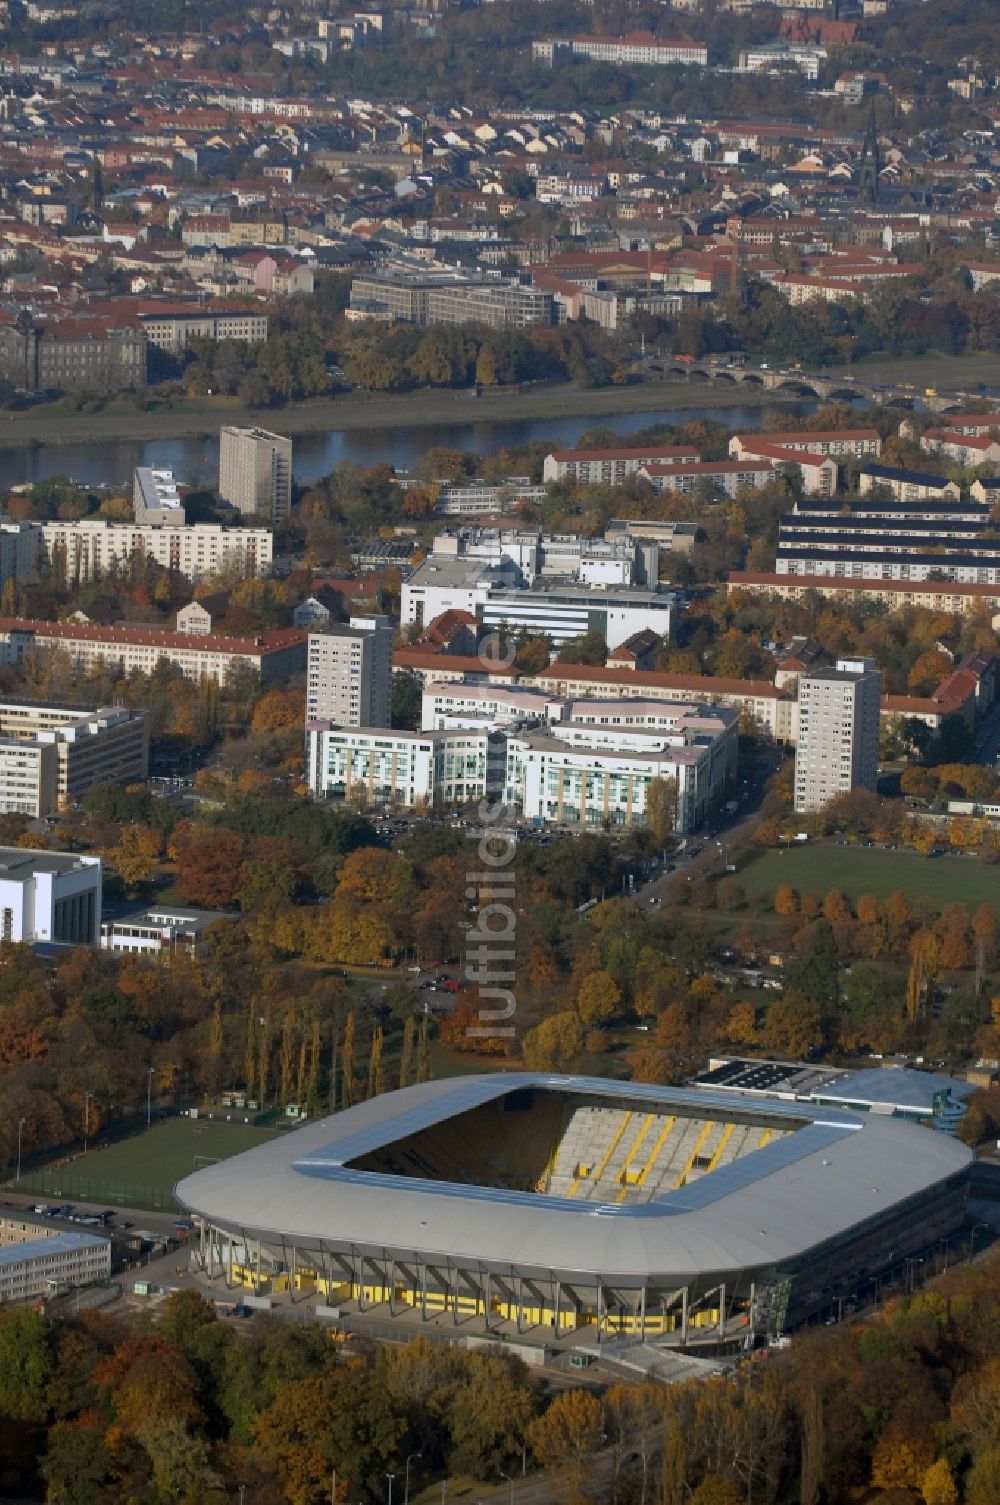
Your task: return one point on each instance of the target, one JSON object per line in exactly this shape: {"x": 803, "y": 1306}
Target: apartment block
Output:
{"x": 255, "y": 472}
{"x": 907, "y": 486}
{"x": 728, "y": 476}
{"x": 93, "y": 547}
{"x": 838, "y": 443}
{"x": 819, "y": 472}
{"x": 272, "y": 655}
{"x": 20, "y": 552}
{"x": 837, "y": 750}
{"x": 609, "y": 467}
{"x": 936, "y": 594}
{"x": 349, "y": 673}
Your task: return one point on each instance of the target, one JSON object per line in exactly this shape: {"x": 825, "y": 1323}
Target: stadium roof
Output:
{"x": 766, "y": 1210}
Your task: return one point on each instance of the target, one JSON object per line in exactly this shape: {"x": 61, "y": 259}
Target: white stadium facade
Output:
{"x": 545, "y": 1204}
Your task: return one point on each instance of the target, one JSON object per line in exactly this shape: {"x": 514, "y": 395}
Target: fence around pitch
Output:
{"x": 66, "y": 1186}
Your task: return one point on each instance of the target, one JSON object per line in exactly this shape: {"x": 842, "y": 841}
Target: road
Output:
{"x": 711, "y": 849}
{"x": 987, "y": 749}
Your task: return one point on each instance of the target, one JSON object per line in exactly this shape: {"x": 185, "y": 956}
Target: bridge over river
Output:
{"x": 835, "y": 387}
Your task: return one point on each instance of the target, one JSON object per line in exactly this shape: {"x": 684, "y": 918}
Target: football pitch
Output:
{"x": 818, "y": 867}
{"x": 142, "y": 1171}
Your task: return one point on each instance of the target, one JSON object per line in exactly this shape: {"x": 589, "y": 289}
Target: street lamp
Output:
{"x": 510, "y": 1482}
{"x": 390, "y": 1478}
{"x": 406, "y": 1477}
{"x": 20, "y": 1125}
{"x": 149, "y": 1096}
{"x": 86, "y": 1119}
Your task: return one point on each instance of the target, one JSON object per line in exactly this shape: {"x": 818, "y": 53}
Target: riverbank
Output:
{"x": 201, "y": 417}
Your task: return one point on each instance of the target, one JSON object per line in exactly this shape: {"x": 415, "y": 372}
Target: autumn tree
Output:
{"x": 554, "y": 1044}
{"x": 661, "y": 807}
{"x": 136, "y": 854}
{"x": 566, "y": 1436}
{"x": 209, "y": 861}
{"x": 793, "y": 1025}
{"x": 598, "y": 997}
{"x": 786, "y": 900}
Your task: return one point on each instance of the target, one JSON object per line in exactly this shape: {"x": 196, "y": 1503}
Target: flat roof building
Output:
{"x": 46, "y": 1266}
{"x": 527, "y": 1202}
{"x": 349, "y": 672}
{"x": 49, "y": 897}
{"x": 839, "y": 711}
{"x": 163, "y": 931}
{"x": 255, "y": 472}
{"x": 93, "y": 548}
{"x": 50, "y": 755}
{"x": 156, "y": 498}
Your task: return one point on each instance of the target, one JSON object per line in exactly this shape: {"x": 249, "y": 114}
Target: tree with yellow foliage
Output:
{"x": 786, "y": 900}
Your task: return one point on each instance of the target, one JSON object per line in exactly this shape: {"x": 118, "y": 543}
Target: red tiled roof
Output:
{"x": 738, "y": 578}
{"x": 267, "y": 642}
{"x": 443, "y": 628}
{"x": 697, "y": 684}
{"x": 801, "y": 438}
{"x": 919, "y": 705}
{"x": 681, "y": 451}
{"x": 427, "y": 657}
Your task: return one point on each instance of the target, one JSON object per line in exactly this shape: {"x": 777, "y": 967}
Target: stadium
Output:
{"x": 544, "y": 1204}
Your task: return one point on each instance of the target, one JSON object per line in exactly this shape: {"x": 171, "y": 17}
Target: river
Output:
{"x": 196, "y": 461}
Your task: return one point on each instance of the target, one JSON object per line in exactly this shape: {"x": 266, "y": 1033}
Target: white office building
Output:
{"x": 490, "y": 742}
{"x": 414, "y": 770}
{"x": 349, "y": 673}
{"x": 255, "y": 472}
{"x": 496, "y": 594}
{"x": 51, "y": 754}
{"x": 837, "y": 750}
{"x": 50, "y": 897}
{"x": 163, "y": 932}
{"x": 446, "y": 705}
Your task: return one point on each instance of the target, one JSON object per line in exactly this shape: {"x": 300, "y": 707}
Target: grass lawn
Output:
{"x": 142, "y": 1171}
{"x": 945, "y": 372}
{"x": 817, "y": 867}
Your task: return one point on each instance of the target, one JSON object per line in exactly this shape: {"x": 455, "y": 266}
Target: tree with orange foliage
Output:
{"x": 208, "y": 862}
{"x": 837, "y": 907}
{"x": 869, "y": 910}
{"x": 741, "y": 1024}
{"x": 954, "y": 938}
{"x": 928, "y": 671}
{"x": 374, "y": 875}
{"x": 278, "y": 710}
{"x": 566, "y": 1437}
{"x": 786, "y": 900}
{"x": 905, "y": 1452}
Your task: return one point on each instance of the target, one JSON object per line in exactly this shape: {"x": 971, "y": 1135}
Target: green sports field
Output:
{"x": 142, "y": 1171}
{"x": 817, "y": 867}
